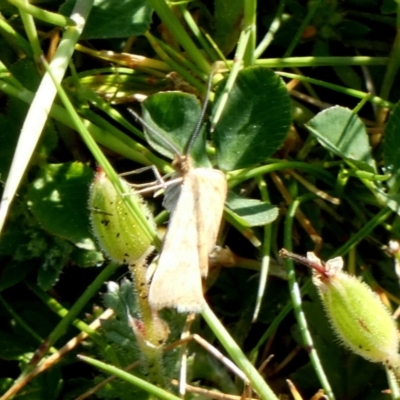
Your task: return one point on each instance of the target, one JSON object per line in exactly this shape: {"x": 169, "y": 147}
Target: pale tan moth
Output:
{"x": 196, "y": 205}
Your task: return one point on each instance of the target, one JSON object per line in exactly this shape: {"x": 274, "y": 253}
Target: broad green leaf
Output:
{"x": 54, "y": 260}
{"x": 58, "y": 199}
{"x": 343, "y": 133}
{"x": 350, "y": 77}
{"x": 174, "y": 115}
{"x": 228, "y": 23}
{"x": 391, "y": 148}
{"x": 114, "y": 19}
{"x": 254, "y": 212}
{"x": 255, "y": 120}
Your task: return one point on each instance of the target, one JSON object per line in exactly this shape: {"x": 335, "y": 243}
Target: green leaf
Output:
{"x": 58, "y": 199}
{"x": 349, "y": 76}
{"x": 391, "y": 148}
{"x": 343, "y": 133}
{"x": 254, "y": 212}
{"x": 55, "y": 258}
{"x": 174, "y": 115}
{"x": 228, "y": 18}
{"x": 255, "y": 120}
{"x": 114, "y": 19}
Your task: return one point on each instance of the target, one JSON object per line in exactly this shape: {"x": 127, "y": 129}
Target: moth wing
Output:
{"x": 177, "y": 280}
{"x": 210, "y": 188}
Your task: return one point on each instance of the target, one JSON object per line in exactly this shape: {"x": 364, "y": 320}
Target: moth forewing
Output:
{"x": 177, "y": 279}
{"x": 209, "y": 190}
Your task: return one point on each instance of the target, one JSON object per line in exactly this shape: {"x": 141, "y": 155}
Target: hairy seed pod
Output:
{"x": 115, "y": 228}
{"x": 361, "y": 320}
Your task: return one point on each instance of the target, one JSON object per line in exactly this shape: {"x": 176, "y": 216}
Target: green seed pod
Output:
{"x": 360, "y": 319}
{"x": 115, "y": 228}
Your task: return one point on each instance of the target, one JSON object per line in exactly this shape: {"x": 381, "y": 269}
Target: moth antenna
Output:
{"x": 196, "y": 130}
{"x": 170, "y": 145}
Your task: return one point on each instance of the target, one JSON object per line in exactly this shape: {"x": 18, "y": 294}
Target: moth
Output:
{"x": 196, "y": 206}
{"x": 191, "y": 236}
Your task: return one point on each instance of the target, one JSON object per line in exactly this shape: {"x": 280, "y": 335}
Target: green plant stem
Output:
{"x": 141, "y": 63}
{"x": 31, "y": 32}
{"x": 239, "y": 54}
{"x": 131, "y": 202}
{"x": 378, "y": 219}
{"x": 16, "y": 41}
{"x": 148, "y": 337}
{"x": 296, "y": 299}
{"x": 78, "y": 306}
{"x": 197, "y": 32}
{"x": 109, "y": 137}
{"x": 341, "y": 89}
{"x": 394, "y": 61}
{"x": 266, "y": 250}
{"x": 175, "y": 27}
{"x": 242, "y": 226}
{"x": 161, "y": 49}
{"x": 269, "y": 37}
{"x": 41, "y": 104}
{"x": 249, "y": 22}
{"x": 237, "y": 177}
{"x": 311, "y": 11}
{"x": 292, "y": 62}
{"x": 256, "y": 380}
{"x": 43, "y": 15}
{"x": 132, "y": 379}
{"x": 152, "y": 351}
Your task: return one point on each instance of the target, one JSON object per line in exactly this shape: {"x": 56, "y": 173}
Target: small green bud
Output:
{"x": 115, "y": 228}
{"x": 360, "y": 319}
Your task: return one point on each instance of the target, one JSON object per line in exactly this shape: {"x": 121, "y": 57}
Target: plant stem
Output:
{"x": 257, "y": 381}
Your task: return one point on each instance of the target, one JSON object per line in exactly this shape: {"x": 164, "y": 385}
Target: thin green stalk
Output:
{"x": 377, "y": 220}
{"x": 273, "y": 28}
{"x": 68, "y": 316}
{"x": 197, "y": 32}
{"x": 341, "y": 89}
{"x": 239, "y": 54}
{"x": 16, "y": 41}
{"x": 182, "y": 37}
{"x": 175, "y": 66}
{"x": 144, "y": 64}
{"x": 31, "y": 33}
{"x": 221, "y": 57}
{"x": 292, "y": 62}
{"x": 242, "y": 226}
{"x": 169, "y": 55}
{"x": 394, "y": 61}
{"x": 181, "y": 60}
{"x": 150, "y": 349}
{"x": 111, "y": 138}
{"x": 296, "y": 299}
{"x": 306, "y": 21}
{"x": 132, "y": 379}
{"x": 266, "y": 251}
{"x": 41, "y": 104}
{"x": 249, "y": 22}
{"x": 43, "y": 15}
{"x": 131, "y": 202}
{"x": 393, "y": 384}
{"x": 256, "y": 380}
{"x": 9, "y": 79}
{"x": 237, "y": 177}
